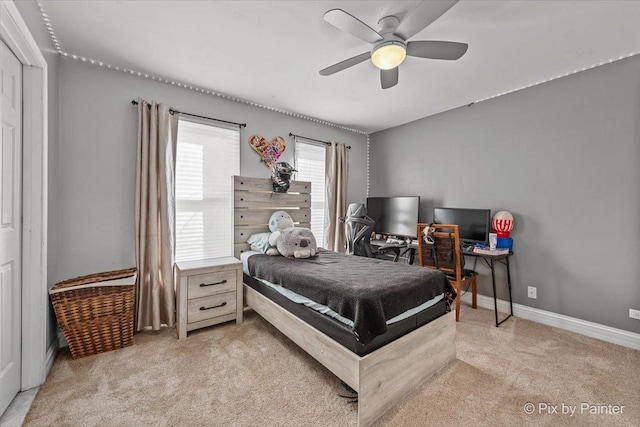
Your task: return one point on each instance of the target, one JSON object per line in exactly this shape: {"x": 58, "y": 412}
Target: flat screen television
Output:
{"x": 397, "y": 216}
{"x": 473, "y": 224}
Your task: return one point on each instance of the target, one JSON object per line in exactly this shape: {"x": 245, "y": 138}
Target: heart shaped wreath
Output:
{"x": 269, "y": 152}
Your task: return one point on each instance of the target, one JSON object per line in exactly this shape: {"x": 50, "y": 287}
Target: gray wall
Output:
{"x": 97, "y": 156}
{"x": 564, "y": 158}
{"x": 31, "y": 15}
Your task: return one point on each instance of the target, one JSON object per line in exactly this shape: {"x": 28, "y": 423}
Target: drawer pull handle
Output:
{"x": 215, "y": 306}
{"x": 204, "y": 285}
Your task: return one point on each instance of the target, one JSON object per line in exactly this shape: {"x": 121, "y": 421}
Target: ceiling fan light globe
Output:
{"x": 388, "y": 56}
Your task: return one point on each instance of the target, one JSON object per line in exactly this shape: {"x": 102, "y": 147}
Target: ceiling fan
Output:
{"x": 390, "y": 45}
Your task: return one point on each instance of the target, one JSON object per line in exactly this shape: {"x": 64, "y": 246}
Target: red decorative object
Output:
{"x": 502, "y": 223}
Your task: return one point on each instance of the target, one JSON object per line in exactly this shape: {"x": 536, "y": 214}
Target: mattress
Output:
{"x": 337, "y": 329}
{"x": 368, "y": 291}
{"x": 300, "y": 299}
{"x": 341, "y": 333}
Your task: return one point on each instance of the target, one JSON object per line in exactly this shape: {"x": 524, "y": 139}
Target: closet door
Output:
{"x": 10, "y": 225}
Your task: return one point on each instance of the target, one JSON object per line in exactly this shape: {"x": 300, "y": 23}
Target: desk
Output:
{"x": 382, "y": 247}
{"x": 490, "y": 261}
{"x": 399, "y": 249}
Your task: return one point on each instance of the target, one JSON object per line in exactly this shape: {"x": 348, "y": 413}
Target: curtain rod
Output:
{"x": 172, "y": 111}
{"x": 316, "y": 140}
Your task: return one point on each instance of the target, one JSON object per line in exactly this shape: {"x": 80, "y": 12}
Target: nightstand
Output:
{"x": 208, "y": 292}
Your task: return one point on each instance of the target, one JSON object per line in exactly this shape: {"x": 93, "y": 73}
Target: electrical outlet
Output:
{"x": 634, "y": 314}
{"x": 532, "y": 292}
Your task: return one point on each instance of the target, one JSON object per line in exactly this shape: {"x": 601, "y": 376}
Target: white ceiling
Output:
{"x": 270, "y": 52}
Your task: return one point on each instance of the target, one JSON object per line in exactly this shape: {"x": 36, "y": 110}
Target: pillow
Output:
{"x": 259, "y": 242}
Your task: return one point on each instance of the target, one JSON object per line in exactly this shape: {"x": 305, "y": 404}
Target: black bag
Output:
{"x": 442, "y": 250}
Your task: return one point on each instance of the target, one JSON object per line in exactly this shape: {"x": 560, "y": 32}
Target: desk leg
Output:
{"x": 506, "y": 263}
{"x": 509, "y": 284}
{"x": 493, "y": 282}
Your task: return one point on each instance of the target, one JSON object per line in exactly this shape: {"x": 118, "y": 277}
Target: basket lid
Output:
{"x": 125, "y": 277}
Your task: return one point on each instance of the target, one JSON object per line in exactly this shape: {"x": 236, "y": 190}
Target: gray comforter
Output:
{"x": 366, "y": 290}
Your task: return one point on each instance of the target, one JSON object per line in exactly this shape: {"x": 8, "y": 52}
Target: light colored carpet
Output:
{"x": 251, "y": 375}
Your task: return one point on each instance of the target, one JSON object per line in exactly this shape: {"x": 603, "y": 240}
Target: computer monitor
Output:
{"x": 397, "y": 216}
{"x": 473, "y": 224}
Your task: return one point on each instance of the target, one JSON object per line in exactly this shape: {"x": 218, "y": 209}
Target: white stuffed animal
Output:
{"x": 279, "y": 221}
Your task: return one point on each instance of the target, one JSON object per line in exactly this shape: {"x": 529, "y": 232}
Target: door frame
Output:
{"x": 16, "y": 35}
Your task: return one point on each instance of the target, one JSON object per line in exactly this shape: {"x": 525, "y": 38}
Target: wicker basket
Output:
{"x": 95, "y": 312}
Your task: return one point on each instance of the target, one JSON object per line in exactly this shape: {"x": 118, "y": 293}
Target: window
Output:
{"x": 207, "y": 157}
{"x": 310, "y": 163}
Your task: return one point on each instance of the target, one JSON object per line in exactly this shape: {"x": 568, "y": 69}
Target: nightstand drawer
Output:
{"x": 210, "y": 307}
{"x": 202, "y": 285}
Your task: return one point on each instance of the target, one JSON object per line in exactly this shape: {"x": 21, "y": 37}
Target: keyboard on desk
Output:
{"x": 395, "y": 242}
{"x": 388, "y": 242}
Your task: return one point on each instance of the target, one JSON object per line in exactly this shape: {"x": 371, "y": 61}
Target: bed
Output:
{"x": 391, "y": 365}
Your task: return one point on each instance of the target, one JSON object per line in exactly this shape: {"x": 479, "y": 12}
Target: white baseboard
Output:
{"x": 52, "y": 352}
{"x": 579, "y": 326}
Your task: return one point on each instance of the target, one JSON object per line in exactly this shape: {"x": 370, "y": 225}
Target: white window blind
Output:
{"x": 310, "y": 163}
{"x": 208, "y": 155}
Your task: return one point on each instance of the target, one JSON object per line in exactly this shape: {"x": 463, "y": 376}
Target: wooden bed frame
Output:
{"x": 381, "y": 378}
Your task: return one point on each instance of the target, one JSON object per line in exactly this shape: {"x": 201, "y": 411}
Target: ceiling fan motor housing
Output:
{"x": 391, "y": 51}
{"x": 388, "y": 24}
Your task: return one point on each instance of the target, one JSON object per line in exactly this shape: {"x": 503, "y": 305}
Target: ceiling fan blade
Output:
{"x": 389, "y": 78}
{"x": 424, "y": 14}
{"x": 345, "y": 64}
{"x": 436, "y": 49}
{"x": 352, "y": 25}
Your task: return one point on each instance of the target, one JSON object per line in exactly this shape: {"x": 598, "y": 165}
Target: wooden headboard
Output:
{"x": 254, "y": 201}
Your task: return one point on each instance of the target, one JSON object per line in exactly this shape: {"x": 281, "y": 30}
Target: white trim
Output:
{"x": 579, "y": 326}
{"x": 15, "y": 33}
{"x": 52, "y": 352}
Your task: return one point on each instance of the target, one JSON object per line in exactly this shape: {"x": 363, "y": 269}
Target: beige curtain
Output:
{"x": 154, "y": 215}
{"x": 337, "y": 171}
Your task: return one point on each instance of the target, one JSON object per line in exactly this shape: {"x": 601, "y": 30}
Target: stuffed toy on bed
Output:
{"x": 266, "y": 242}
{"x": 297, "y": 242}
{"x": 279, "y": 221}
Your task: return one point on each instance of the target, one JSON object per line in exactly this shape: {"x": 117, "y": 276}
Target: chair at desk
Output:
{"x": 440, "y": 249}
{"x": 358, "y": 228}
